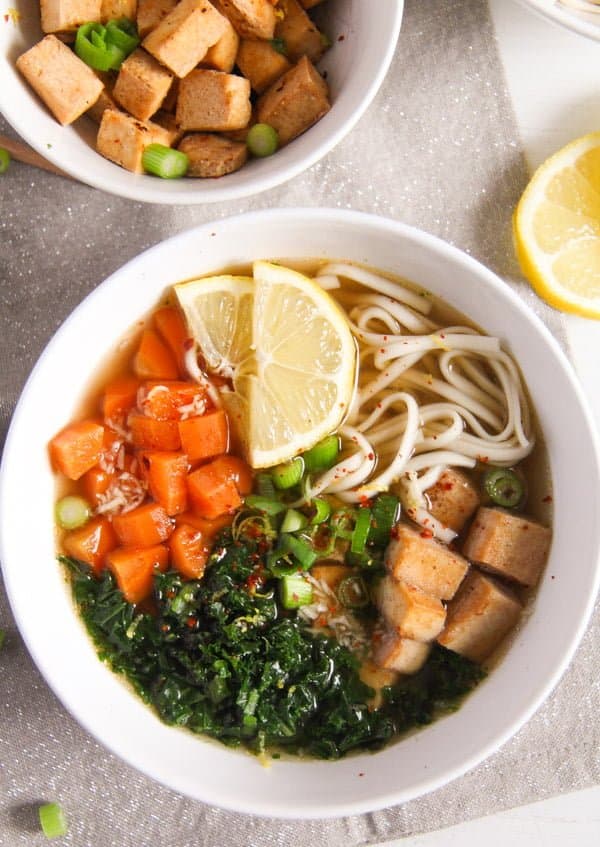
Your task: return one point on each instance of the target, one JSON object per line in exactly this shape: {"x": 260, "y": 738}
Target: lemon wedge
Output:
{"x": 557, "y": 228}
{"x": 288, "y": 349}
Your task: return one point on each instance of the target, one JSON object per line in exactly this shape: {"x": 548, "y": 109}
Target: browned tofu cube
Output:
{"x": 182, "y": 38}
{"x": 376, "y": 678}
{"x": 400, "y": 654}
{"x": 479, "y": 617}
{"x": 122, "y": 139}
{"x": 251, "y": 18}
{"x": 453, "y": 499}
{"x": 299, "y": 34}
{"x": 212, "y": 155}
{"x": 295, "y": 102}
{"x": 409, "y": 611}
{"x": 105, "y": 101}
{"x": 425, "y": 563}
{"x": 142, "y": 84}
{"x": 151, "y": 12}
{"x": 260, "y": 63}
{"x": 167, "y": 121}
{"x": 67, "y": 85}
{"x": 67, "y": 15}
{"x": 221, "y": 56}
{"x": 213, "y": 101}
{"x": 110, "y": 9}
{"x": 509, "y": 545}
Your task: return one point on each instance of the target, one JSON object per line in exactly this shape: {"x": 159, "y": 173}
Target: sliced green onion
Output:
{"x": 384, "y": 515}
{"x": 92, "y": 48}
{"x": 301, "y": 550}
{"x": 323, "y": 455}
{"x": 293, "y": 520}
{"x": 323, "y": 540}
{"x": 281, "y": 564}
{"x": 165, "y": 162}
{"x": 360, "y": 534}
{"x": 353, "y": 593}
{"x": 288, "y": 475}
{"x": 72, "y": 512}
{"x": 295, "y": 591}
{"x": 4, "y": 160}
{"x": 265, "y": 486}
{"x": 123, "y": 33}
{"x": 52, "y": 820}
{"x": 504, "y": 487}
{"x": 322, "y": 509}
{"x": 262, "y": 140}
{"x": 366, "y": 560}
{"x": 342, "y": 523}
{"x": 265, "y": 504}
{"x": 279, "y": 45}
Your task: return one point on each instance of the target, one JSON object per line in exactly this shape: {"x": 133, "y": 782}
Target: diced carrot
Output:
{"x": 237, "y": 470}
{"x": 95, "y": 483}
{"x": 134, "y": 569}
{"x": 119, "y": 397}
{"x": 189, "y": 551}
{"x": 91, "y": 543}
{"x": 212, "y": 493}
{"x": 153, "y": 359}
{"x": 208, "y": 528}
{"x": 170, "y": 324}
{"x": 77, "y": 448}
{"x": 143, "y": 527}
{"x": 150, "y": 434}
{"x": 169, "y": 400}
{"x": 204, "y": 436}
{"x": 166, "y": 473}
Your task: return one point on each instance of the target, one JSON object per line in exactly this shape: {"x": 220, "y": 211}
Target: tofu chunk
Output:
{"x": 167, "y": 121}
{"x": 104, "y": 102}
{"x": 376, "y": 678}
{"x": 142, "y": 84}
{"x": 211, "y": 100}
{"x": 260, "y": 63}
{"x": 400, "y": 654}
{"x": 409, "y": 611}
{"x": 251, "y": 18}
{"x": 122, "y": 139}
{"x": 299, "y": 34}
{"x": 295, "y": 102}
{"x": 479, "y": 617}
{"x": 110, "y": 9}
{"x": 67, "y": 85}
{"x": 509, "y": 545}
{"x": 151, "y": 12}
{"x": 425, "y": 563}
{"x": 453, "y": 499}
{"x": 212, "y": 155}
{"x": 221, "y": 56}
{"x": 183, "y": 37}
{"x": 67, "y": 15}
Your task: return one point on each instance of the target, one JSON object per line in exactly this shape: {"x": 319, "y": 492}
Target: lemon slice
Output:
{"x": 557, "y": 228}
{"x": 288, "y": 349}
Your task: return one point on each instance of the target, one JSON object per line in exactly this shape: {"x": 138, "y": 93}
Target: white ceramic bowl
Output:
{"x": 580, "y": 17}
{"x": 203, "y": 769}
{"x": 355, "y": 65}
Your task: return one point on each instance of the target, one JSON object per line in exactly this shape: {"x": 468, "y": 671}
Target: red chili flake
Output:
{"x": 382, "y": 349}
{"x": 385, "y": 338}
{"x": 371, "y": 456}
{"x": 377, "y": 636}
{"x": 547, "y": 499}
{"x": 188, "y": 343}
{"x": 165, "y": 627}
{"x": 447, "y": 486}
{"x": 426, "y": 533}
{"x": 483, "y": 459}
{"x": 379, "y": 405}
{"x": 442, "y": 335}
{"x": 191, "y": 622}
{"x": 363, "y": 499}
{"x": 171, "y": 593}
{"x": 394, "y": 532}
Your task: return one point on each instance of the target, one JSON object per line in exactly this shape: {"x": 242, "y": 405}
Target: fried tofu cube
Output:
{"x": 400, "y": 654}
{"x": 123, "y": 138}
{"x": 409, "y": 611}
{"x": 111, "y": 9}
{"x": 453, "y": 499}
{"x": 251, "y": 18}
{"x": 167, "y": 121}
{"x": 150, "y": 13}
{"x": 105, "y": 100}
{"x": 213, "y": 101}
{"x": 295, "y": 102}
{"x": 142, "y": 84}
{"x": 221, "y": 56}
{"x": 425, "y": 563}
{"x": 261, "y": 63}
{"x": 479, "y": 617}
{"x": 212, "y": 155}
{"x": 376, "y": 678}
{"x": 509, "y": 545}
{"x": 299, "y": 34}
{"x": 185, "y": 34}
{"x": 68, "y": 15}
{"x": 67, "y": 85}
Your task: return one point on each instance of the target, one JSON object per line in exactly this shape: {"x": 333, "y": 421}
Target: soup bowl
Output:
{"x": 362, "y": 49}
{"x": 200, "y": 768}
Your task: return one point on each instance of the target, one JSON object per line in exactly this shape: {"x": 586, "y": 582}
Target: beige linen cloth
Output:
{"x": 438, "y": 149}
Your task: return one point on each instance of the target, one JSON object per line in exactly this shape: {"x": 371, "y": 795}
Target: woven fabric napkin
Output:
{"x": 443, "y": 154}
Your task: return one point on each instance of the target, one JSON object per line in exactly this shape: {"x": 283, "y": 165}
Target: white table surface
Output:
{"x": 553, "y": 76}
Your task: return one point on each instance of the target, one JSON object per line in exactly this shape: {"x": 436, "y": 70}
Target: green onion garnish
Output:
{"x": 288, "y": 475}
{"x": 52, "y": 820}
{"x": 504, "y": 487}
{"x": 262, "y": 140}
{"x": 385, "y": 511}
{"x": 72, "y": 512}
{"x": 4, "y": 160}
{"x": 342, "y": 523}
{"x": 299, "y": 549}
{"x": 360, "y": 534}
{"x": 353, "y": 593}
{"x": 322, "y": 509}
{"x": 293, "y": 521}
{"x": 295, "y": 591}
{"x": 93, "y": 48}
{"x": 265, "y": 504}
{"x": 265, "y": 486}
{"x": 164, "y": 162}
{"x": 323, "y": 455}
{"x": 123, "y": 33}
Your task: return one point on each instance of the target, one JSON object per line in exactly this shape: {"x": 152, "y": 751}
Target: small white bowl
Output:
{"x": 363, "y": 46}
{"x": 576, "y": 19}
{"x": 204, "y": 769}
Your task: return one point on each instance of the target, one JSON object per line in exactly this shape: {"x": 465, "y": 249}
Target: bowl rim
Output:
{"x": 565, "y": 17}
{"x": 325, "y": 217}
{"x": 140, "y": 187}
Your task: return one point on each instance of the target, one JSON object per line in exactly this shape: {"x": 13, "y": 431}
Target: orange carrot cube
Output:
{"x": 153, "y": 359}
{"x": 119, "y": 397}
{"x": 77, "y": 448}
{"x": 212, "y": 493}
{"x": 150, "y": 434}
{"x": 166, "y": 473}
{"x": 205, "y": 436}
{"x": 172, "y": 328}
{"x": 143, "y": 527}
{"x": 134, "y": 569}
{"x": 189, "y": 551}
{"x": 91, "y": 543}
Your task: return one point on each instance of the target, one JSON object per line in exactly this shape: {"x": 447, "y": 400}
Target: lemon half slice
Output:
{"x": 289, "y": 350}
{"x": 557, "y": 228}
